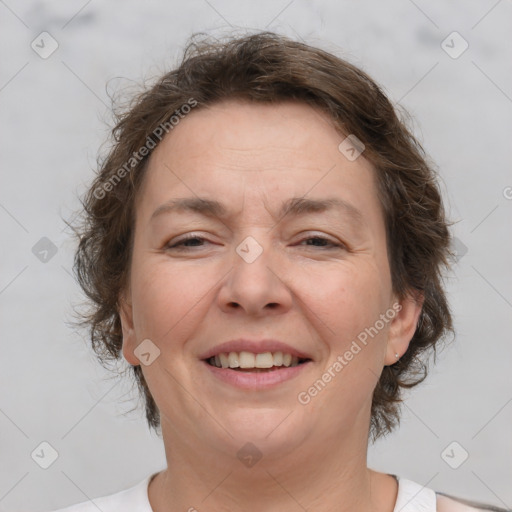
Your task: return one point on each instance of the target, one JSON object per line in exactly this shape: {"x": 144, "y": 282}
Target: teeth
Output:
{"x": 224, "y": 361}
{"x": 233, "y": 360}
{"x": 250, "y": 360}
{"x": 247, "y": 360}
{"x": 265, "y": 360}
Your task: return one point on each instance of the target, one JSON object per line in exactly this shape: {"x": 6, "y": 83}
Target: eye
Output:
{"x": 192, "y": 240}
{"x": 186, "y": 242}
{"x": 326, "y": 243}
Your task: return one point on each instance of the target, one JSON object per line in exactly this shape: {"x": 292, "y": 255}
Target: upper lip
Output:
{"x": 254, "y": 346}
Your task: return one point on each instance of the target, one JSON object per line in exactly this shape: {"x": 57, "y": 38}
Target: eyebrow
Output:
{"x": 294, "y": 206}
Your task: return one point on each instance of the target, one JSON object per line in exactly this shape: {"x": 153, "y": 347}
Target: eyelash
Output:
{"x": 180, "y": 245}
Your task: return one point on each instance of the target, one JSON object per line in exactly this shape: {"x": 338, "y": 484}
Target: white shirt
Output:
{"x": 412, "y": 497}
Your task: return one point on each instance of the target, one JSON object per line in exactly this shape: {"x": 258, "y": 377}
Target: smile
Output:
{"x": 250, "y": 361}
{"x": 255, "y": 371}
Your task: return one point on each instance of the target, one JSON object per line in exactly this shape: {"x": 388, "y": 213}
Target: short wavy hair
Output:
{"x": 268, "y": 68}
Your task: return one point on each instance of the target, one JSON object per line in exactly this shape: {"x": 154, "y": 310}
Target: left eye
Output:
{"x": 325, "y": 242}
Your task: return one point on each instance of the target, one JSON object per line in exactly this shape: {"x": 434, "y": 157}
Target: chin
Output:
{"x": 272, "y": 430}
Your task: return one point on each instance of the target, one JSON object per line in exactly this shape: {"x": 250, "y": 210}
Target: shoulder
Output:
{"x": 413, "y": 496}
{"x": 448, "y": 503}
{"x": 133, "y": 498}
{"x": 88, "y": 506}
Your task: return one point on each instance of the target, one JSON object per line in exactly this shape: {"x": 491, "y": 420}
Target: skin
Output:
{"x": 313, "y": 296}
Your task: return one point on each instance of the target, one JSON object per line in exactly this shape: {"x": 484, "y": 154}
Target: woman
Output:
{"x": 264, "y": 244}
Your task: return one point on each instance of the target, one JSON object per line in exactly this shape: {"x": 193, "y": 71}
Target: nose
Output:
{"x": 257, "y": 284}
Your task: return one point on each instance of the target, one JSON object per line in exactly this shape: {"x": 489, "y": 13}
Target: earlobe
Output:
{"x": 126, "y": 316}
{"x": 403, "y": 327}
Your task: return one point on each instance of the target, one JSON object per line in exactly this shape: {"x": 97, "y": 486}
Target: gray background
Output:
{"x": 54, "y": 111}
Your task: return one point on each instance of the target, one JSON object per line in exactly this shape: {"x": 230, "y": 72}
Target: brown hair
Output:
{"x": 265, "y": 67}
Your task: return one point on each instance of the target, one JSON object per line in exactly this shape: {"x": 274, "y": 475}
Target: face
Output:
{"x": 282, "y": 266}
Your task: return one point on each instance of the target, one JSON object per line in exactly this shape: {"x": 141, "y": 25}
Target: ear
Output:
{"x": 403, "y": 326}
{"x": 129, "y": 338}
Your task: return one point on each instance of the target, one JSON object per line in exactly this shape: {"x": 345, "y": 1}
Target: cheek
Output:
{"x": 347, "y": 304}
{"x": 346, "y": 299}
{"x": 167, "y": 298}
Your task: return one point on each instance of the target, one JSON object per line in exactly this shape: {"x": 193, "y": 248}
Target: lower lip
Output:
{"x": 256, "y": 380}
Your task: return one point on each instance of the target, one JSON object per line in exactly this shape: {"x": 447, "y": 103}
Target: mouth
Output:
{"x": 255, "y": 365}
{"x": 250, "y": 362}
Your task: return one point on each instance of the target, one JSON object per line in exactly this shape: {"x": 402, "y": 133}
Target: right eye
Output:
{"x": 181, "y": 244}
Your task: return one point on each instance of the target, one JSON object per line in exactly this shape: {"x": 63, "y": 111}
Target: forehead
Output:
{"x": 278, "y": 151}
{"x": 243, "y": 130}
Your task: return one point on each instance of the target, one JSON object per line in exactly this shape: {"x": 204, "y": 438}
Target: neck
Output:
{"x": 327, "y": 478}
